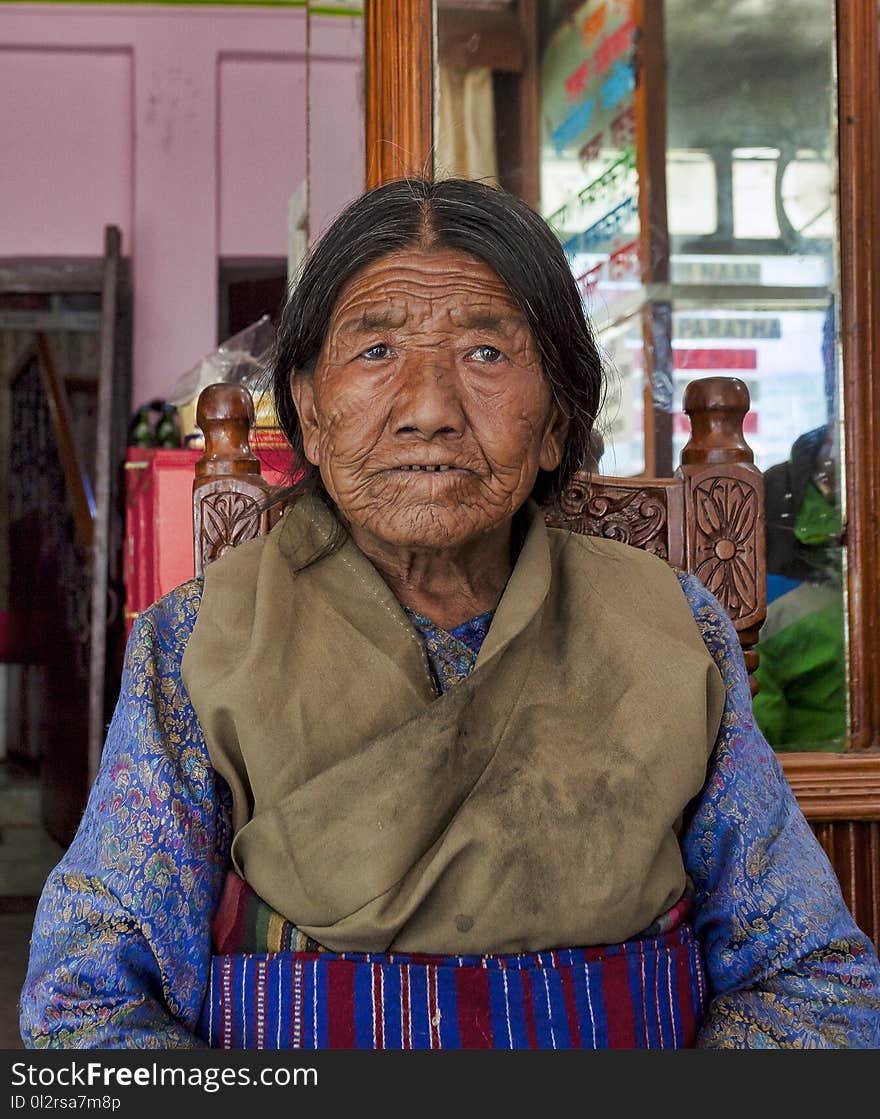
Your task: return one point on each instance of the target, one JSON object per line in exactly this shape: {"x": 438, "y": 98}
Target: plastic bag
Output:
{"x": 240, "y": 360}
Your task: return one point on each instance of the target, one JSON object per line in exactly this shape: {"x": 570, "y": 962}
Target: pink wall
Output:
{"x": 262, "y": 100}
{"x": 186, "y": 126}
{"x": 67, "y": 166}
{"x": 336, "y": 117}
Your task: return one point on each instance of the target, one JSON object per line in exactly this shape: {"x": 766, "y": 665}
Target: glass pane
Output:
{"x": 754, "y": 93}
{"x": 622, "y": 424}
{"x": 692, "y": 189}
{"x": 754, "y": 195}
{"x": 748, "y": 146}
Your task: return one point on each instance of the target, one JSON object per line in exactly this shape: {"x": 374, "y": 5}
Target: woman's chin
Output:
{"x": 428, "y": 526}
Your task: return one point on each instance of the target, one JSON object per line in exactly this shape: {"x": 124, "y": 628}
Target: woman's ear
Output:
{"x": 302, "y": 389}
{"x": 554, "y": 440}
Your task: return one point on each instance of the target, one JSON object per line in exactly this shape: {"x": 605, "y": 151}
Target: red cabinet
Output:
{"x": 158, "y": 521}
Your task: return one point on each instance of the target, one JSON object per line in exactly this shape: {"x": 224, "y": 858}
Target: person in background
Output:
{"x": 802, "y": 701}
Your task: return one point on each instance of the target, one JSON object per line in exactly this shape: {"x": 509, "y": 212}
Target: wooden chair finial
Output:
{"x": 229, "y": 493}
{"x": 717, "y": 407}
{"x": 225, "y": 413}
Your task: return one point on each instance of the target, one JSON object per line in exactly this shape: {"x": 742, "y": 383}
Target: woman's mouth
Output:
{"x": 426, "y": 469}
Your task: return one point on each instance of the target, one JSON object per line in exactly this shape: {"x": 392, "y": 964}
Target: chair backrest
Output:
{"x": 708, "y": 519}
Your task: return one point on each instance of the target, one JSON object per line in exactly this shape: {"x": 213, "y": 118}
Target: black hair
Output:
{"x": 488, "y": 223}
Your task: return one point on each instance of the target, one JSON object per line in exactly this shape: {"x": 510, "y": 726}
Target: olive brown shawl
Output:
{"x": 536, "y": 804}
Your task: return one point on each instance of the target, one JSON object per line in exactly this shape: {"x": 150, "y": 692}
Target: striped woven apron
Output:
{"x": 647, "y": 993}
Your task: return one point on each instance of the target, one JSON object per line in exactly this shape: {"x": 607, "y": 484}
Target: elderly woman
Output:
{"x": 411, "y": 771}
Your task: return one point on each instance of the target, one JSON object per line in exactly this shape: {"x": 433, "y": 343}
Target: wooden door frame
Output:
{"x": 399, "y": 77}
{"x": 399, "y": 120}
{"x": 847, "y": 786}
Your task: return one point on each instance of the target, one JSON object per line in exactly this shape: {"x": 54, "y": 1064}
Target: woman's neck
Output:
{"x": 447, "y": 585}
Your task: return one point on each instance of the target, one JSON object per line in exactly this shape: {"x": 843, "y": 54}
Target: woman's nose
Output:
{"x": 427, "y": 402}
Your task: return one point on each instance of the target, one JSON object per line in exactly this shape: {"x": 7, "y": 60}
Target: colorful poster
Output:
{"x": 589, "y": 182}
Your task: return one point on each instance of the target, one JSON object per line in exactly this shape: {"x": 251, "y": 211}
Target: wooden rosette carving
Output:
{"x": 726, "y": 507}
{"x": 227, "y": 512}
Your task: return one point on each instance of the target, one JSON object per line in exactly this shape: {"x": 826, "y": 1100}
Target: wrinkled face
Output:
{"x": 428, "y": 413}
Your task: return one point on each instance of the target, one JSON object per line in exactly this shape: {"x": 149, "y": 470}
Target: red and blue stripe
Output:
{"x": 648, "y": 993}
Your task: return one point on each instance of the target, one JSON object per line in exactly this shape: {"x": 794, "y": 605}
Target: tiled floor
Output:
{"x": 27, "y": 854}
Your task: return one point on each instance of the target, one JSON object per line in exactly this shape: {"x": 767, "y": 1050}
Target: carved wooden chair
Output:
{"x": 708, "y": 519}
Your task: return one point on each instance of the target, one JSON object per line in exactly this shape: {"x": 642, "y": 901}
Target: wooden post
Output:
{"x": 400, "y": 89}
{"x": 724, "y": 497}
{"x": 104, "y": 487}
{"x": 225, "y": 413}
{"x": 75, "y": 474}
{"x": 858, "y": 80}
{"x": 650, "y": 103}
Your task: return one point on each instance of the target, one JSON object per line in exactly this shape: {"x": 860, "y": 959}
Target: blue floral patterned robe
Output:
{"x": 122, "y": 938}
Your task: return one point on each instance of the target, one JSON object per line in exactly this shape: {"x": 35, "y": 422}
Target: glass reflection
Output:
{"x": 622, "y": 424}
{"x": 754, "y": 93}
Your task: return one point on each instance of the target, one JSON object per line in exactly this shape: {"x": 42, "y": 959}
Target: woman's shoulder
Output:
{"x": 620, "y": 554}
{"x": 630, "y": 577}
{"x": 636, "y": 570}
{"x": 176, "y": 607}
{"x": 721, "y": 640}
{"x": 712, "y": 619}
{"x": 616, "y": 554}
{"x": 168, "y": 623}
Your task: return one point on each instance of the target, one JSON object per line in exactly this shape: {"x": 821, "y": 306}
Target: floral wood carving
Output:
{"x": 228, "y": 519}
{"x": 724, "y": 555}
{"x": 633, "y": 516}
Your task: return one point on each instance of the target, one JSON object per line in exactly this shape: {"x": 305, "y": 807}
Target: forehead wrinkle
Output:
{"x": 477, "y": 318}
{"x": 393, "y": 291}
{"x": 399, "y": 277}
{"x": 372, "y": 319}
{"x": 463, "y": 317}
{"x": 399, "y": 290}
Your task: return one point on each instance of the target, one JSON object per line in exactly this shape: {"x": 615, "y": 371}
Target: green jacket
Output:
{"x": 802, "y": 702}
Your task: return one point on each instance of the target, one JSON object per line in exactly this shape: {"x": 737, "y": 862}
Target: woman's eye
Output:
{"x": 378, "y": 352}
{"x": 487, "y": 354}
